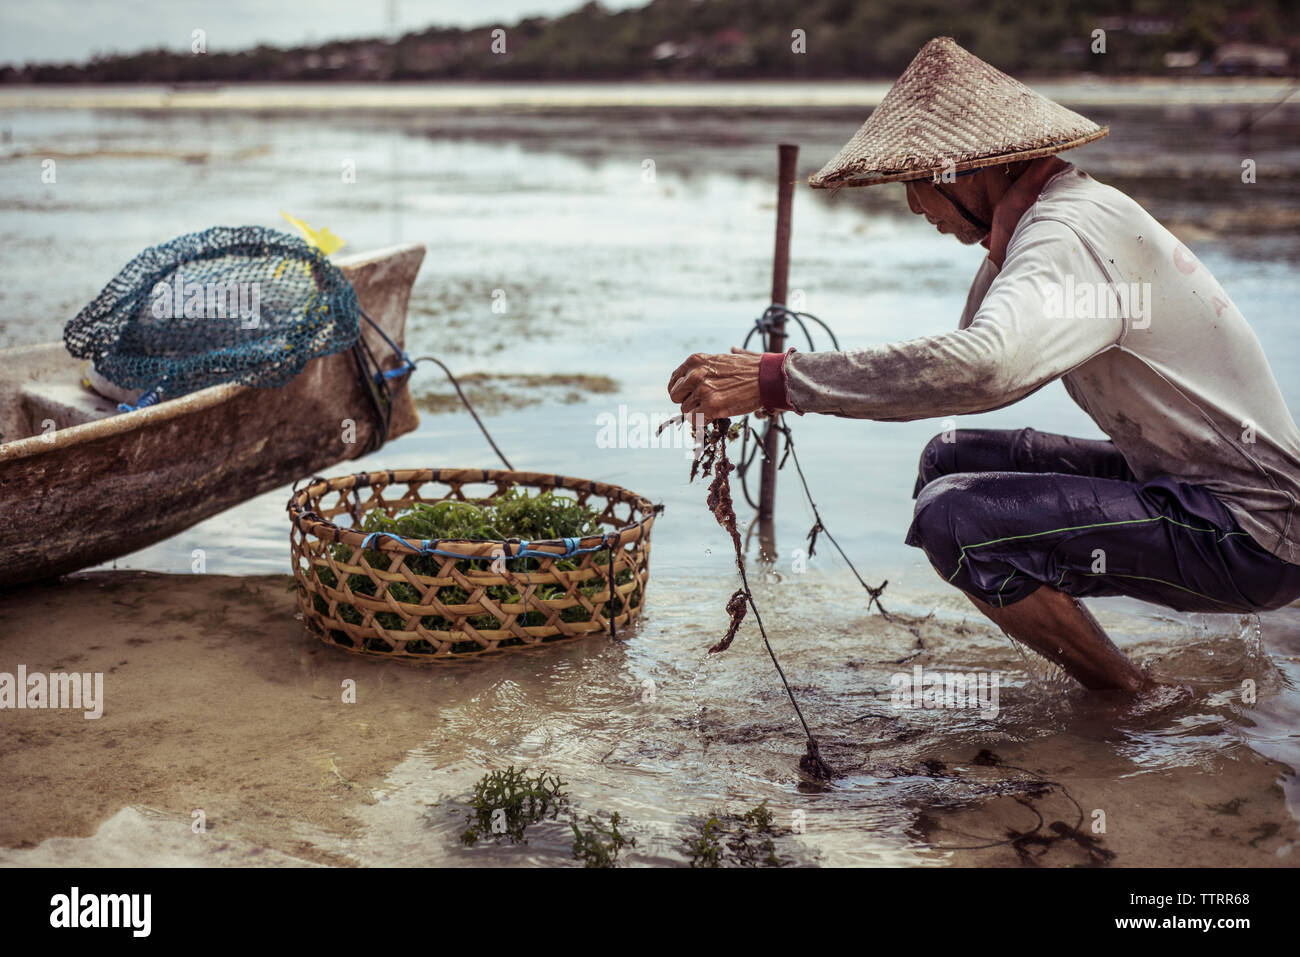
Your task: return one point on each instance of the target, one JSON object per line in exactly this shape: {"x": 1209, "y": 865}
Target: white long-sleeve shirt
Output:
{"x": 1095, "y": 292}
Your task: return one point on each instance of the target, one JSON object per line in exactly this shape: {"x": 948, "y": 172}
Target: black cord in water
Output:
{"x": 749, "y": 597}
{"x": 820, "y": 527}
{"x": 1019, "y": 837}
{"x": 812, "y": 761}
{"x": 714, "y": 458}
{"x": 764, "y": 325}
{"x": 482, "y": 428}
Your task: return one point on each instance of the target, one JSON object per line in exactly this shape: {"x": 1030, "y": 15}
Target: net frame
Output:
{"x": 307, "y": 308}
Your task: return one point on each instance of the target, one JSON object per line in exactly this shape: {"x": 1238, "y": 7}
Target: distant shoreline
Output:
{"x": 325, "y": 96}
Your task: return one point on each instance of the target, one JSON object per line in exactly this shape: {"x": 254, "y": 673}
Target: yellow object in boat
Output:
{"x": 322, "y": 238}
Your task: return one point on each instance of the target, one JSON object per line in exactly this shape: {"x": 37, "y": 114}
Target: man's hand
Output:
{"x": 717, "y": 386}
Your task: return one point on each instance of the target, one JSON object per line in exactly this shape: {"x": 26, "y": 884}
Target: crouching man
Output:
{"x": 1193, "y": 501}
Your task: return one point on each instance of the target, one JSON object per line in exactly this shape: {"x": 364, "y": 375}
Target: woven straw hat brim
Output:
{"x": 868, "y": 179}
{"x": 951, "y": 111}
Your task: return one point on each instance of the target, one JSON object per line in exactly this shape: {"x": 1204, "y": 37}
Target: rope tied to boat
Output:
{"x": 376, "y": 381}
{"x": 408, "y": 365}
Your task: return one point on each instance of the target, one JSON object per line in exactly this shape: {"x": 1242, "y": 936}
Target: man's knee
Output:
{"x": 958, "y": 524}
{"x": 936, "y": 460}
{"x": 934, "y": 519}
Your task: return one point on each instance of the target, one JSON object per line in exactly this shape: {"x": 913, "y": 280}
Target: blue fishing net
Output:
{"x": 243, "y": 305}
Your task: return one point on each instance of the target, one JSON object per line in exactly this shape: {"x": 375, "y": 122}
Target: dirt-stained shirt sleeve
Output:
{"x": 1034, "y": 324}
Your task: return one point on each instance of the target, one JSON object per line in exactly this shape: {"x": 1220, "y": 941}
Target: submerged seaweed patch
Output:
{"x": 505, "y": 802}
{"x": 736, "y": 840}
{"x": 598, "y": 845}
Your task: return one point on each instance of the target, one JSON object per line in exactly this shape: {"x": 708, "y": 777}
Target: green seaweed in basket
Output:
{"x": 513, "y": 514}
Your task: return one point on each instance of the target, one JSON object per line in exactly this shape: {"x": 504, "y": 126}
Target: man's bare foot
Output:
{"x": 1118, "y": 712}
{"x": 1157, "y": 697}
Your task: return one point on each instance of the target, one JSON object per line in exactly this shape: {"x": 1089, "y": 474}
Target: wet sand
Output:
{"x": 216, "y": 699}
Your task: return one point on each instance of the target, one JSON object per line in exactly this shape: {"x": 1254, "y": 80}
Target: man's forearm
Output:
{"x": 952, "y": 374}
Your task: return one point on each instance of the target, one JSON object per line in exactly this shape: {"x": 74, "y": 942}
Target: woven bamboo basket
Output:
{"x": 418, "y": 601}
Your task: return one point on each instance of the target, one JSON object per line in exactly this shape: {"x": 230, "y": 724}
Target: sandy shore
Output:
{"x": 215, "y": 700}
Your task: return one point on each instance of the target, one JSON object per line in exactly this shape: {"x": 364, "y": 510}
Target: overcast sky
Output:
{"x": 62, "y": 30}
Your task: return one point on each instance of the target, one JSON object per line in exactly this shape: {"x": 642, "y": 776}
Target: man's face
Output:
{"x": 924, "y": 200}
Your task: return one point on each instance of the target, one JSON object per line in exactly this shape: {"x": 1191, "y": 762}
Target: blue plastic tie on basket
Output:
{"x": 570, "y": 549}
{"x": 426, "y": 547}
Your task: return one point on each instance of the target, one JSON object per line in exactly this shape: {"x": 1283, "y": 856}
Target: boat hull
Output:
{"x": 76, "y": 495}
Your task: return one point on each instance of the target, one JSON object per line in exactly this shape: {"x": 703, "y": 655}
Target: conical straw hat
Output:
{"x": 950, "y": 107}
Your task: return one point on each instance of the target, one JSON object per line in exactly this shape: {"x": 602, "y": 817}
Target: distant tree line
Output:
{"x": 697, "y": 39}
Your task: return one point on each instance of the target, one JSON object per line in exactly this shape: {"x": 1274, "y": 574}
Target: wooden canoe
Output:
{"x": 81, "y": 483}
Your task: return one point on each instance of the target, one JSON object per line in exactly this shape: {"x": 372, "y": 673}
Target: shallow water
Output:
{"x": 607, "y": 273}
{"x": 718, "y": 735}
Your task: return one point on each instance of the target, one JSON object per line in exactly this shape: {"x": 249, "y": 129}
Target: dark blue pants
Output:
{"x": 1001, "y": 512}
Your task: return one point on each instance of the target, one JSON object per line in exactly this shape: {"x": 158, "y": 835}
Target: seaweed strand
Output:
{"x": 713, "y": 460}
